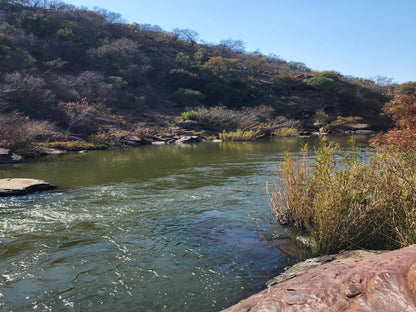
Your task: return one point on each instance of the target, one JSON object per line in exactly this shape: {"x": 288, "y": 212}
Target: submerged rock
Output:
{"x": 17, "y": 187}
{"x": 7, "y": 157}
{"x": 351, "y": 281}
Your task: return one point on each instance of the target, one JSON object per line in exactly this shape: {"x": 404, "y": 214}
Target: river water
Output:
{"x": 153, "y": 228}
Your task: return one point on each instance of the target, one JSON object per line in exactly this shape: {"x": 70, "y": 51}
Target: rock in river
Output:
{"x": 353, "y": 281}
{"x": 16, "y": 187}
{"x": 7, "y": 157}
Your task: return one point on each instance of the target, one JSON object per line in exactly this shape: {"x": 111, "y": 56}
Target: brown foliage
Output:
{"x": 18, "y": 131}
{"x": 402, "y": 109}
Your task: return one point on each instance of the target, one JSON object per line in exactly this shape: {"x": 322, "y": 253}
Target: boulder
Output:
{"x": 7, "y": 157}
{"x": 16, "y": 187}
{"x": 351, "y": 281}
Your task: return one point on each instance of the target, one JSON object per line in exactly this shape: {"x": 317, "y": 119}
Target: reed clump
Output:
{"x": 285, "y": 132}
{"x": 241, "y": 135}
{"x": 340, "y": 201}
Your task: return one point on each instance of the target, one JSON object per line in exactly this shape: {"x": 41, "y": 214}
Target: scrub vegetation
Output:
{"x": 90, "y": 74}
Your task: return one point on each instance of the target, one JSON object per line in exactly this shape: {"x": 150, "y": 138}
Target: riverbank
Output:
{"x": 184, "y": 132}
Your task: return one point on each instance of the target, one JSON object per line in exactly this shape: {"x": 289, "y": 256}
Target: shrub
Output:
{"x": 19, "y": 132}
{"x": 324, "y": 80}
{"x": 340, "y": 203}
{"x": 79, "y": 115}
{"x": 189, "y": 115}
{"x": 220, "y": 118}
{"x": 188, "y": 97}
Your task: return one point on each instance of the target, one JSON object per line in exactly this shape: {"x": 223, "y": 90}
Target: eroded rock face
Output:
{"x": 360, "y": 281}
{"x": 16, "y": 187}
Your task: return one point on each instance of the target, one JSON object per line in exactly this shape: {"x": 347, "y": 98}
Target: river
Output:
{"x": 153, "y": 228}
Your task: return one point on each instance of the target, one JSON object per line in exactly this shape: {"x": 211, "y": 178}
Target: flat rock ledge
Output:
{"x": 353, "y": 281}
{"x": 18, "y": 187}
{"x": 7, "y": 157}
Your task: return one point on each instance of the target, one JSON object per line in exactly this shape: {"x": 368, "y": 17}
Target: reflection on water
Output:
{"x": 155, "y": 228}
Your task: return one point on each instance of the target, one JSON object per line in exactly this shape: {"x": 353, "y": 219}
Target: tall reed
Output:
{"x": 338, "y": 201}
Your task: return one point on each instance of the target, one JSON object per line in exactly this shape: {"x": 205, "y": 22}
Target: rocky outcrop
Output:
{"x": 134, "y": 140}
{"x": 17, "y": 187}
{"x": 352, "y": 281}
{"x": 7, "y": 157}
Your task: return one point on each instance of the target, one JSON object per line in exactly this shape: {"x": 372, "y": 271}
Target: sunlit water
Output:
{"x": 154, "y": 228}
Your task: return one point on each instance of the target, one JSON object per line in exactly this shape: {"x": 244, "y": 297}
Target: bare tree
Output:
{"x": 187, "y": 35}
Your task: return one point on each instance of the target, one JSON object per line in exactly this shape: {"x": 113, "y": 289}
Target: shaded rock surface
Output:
{"x": 16, "y": 187}
{"x": 351, "y": 281}
{"x": 7, "y": 157}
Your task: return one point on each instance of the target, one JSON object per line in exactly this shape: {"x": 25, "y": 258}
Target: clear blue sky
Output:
{"x": 362, "y": 38}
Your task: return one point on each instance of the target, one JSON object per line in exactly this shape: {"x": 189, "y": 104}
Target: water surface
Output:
{"x": 154, "y": 228}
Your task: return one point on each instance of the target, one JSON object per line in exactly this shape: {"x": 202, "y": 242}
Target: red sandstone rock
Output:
{"x": 382, "y": 283}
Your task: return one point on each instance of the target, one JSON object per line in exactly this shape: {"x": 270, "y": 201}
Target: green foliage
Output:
{"x": 406, "y": 88}
{"x": 65, "y": 33}
{"x": 321, "y": 82}
{"x": 200, "y": 55}
{"x": 183, "y": 61}
{"x": 190, "y": 115}
{"x": 340, "y": 203}
{"x": 188, "y": 97}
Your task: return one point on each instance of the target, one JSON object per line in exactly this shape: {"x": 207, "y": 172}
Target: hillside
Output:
{"x": 57, "y": 56}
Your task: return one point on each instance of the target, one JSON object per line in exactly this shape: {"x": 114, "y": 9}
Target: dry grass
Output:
{"x": 241, "y": 135}
{"x": 285, "y": 132}
{"x": 341, "y": 203}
